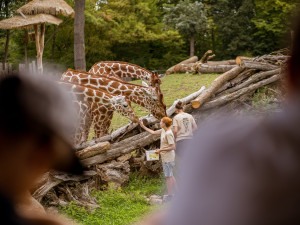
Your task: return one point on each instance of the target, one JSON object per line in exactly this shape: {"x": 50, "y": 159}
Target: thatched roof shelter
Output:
{"x": 53, "y": 7}
{"x": 19, "y": 22}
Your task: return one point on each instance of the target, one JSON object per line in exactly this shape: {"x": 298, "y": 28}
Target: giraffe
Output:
{"x": 147, "y": 97}
{"x": 118, "y": 69}
{"x": 109, "y": 103}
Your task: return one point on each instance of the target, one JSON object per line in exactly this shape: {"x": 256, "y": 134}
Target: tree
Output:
{"x": 234, "y": 27}
{"x": 272, "y": 21}
{"x": 79, "y": 45}
{"x": 189, "y": 18}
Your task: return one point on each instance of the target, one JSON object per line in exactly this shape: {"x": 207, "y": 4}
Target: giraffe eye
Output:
{"x": 125, "y": 105}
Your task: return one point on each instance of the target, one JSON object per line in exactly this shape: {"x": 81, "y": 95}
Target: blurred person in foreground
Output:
{"x": 36, "y": 124}
{"x": 166, "y": 151}
{"x": 243, "y": 172}
{"x": 184, "y": 126}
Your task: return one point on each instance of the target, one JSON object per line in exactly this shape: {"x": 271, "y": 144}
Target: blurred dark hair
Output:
{"x": 179, "y": 105}
{"x": 15, "y": 120}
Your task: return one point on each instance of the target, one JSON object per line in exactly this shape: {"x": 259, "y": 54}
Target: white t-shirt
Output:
{"x": 166, "y": 139}
{"x": 184, "y": 122}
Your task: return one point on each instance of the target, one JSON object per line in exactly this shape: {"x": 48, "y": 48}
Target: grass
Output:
{"x": 174, "y": 86}
{"x": 119, "y": 207}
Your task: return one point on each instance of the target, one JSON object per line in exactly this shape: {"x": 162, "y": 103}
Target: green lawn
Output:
{"x": 119, "y": 207}
{"x": 174, "y": 87}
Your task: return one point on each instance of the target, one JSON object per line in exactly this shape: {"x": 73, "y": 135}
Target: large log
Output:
{"x": 183, "y": 68}
{"x": 258, "y": 65}
{"x": 52, "y": 179}
{"x": 239, "y": 59}
{"x": 215, "y": 85}
{"x": 93, "y": 150}
{"x": 121, "y": 148}
{"x": 185, "y": 101}
{"x": 187, "y": 61}
{"x": 206, "y": 68}
{"x": 224, "y": 62}
{"x": 255, "y": 78}
{"x": 227, "y": 98}
{"x": 231, "y": 83}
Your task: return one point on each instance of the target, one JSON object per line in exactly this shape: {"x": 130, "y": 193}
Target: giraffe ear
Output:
{"x": 145, "y": 84}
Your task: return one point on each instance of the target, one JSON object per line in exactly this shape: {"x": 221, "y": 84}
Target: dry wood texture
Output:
{"x": 216, "y": 84}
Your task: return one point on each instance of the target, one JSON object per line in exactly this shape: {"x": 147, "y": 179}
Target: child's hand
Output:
{"x": 157, "y": 151}
{"x": 141, "y": 123}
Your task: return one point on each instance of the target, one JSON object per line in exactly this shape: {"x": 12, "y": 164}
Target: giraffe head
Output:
{"x": 155, "y": 81}
{"x": 123, "y": 106}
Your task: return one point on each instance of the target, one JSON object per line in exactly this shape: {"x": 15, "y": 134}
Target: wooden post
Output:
{"x": 39, "y": 42}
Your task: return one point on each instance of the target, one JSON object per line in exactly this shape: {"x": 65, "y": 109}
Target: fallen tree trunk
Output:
{"x": 183, "y": 68}
{"x": 239, "y": 59}
{"x": 205, "y": 68}
{"x": 255, "y": 78}
{"x": 245, "y": 74}
{"x": 205, "y": 57}
{"x": 187, "y": 61}
{"x": 224, "y": 62}
{"x": 215, "y": 85}
{"x": 185, "y": 100}
{"x": 122, "y": 147}
{"x": 227, "y": 98}
{"x": 93, "y": 150}
{"x": 52, "y": 179}
{"x": 258, "y": 65}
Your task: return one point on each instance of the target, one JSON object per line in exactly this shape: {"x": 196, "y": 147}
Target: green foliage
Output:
{"x": 187, "y": 17}
{"x": 272, "y": 20}
{"x": 118, "y": 207}
{"x": 146, "y": 185}
{"x": 135, "y": 31}
{"x": 261, "y": 100}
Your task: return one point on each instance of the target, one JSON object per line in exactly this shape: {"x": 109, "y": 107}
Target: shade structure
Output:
{"x": 52, "y": 7}
{"x": 19, "y": 22}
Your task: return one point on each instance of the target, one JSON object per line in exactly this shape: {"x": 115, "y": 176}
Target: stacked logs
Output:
{"x": 192, "y": 65}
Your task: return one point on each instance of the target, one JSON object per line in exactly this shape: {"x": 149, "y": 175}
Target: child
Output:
{"x": 166, "y": 151}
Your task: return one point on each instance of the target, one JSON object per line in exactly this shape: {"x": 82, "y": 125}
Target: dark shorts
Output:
{"x": 181, "y": 147}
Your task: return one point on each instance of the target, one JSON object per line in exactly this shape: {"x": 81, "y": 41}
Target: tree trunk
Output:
{"x": 224, "y": 62}
{"x": 242, "y": 76}
{"x": 215, "y": 85}
{"x": 93, "y": 150}
{"x": 205, "y": 68}
{"x": 122, "y": 147}
{"x": 6, "y": 47}
{"x": 192, "y": 45}
{"x": 255, "y": 78}
{"x": 190, "y": 60}
{"x": 53, "y": 46}
{"x": 258, "y": 65}
{"x": 227, "y": 98}
{"x": 79, "y": 46}
{"x": 25, "y": 48}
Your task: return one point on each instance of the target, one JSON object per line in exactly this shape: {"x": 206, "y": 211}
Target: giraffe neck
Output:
{"x": 112, "y": 86}
{"x": 103, "y": 98}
